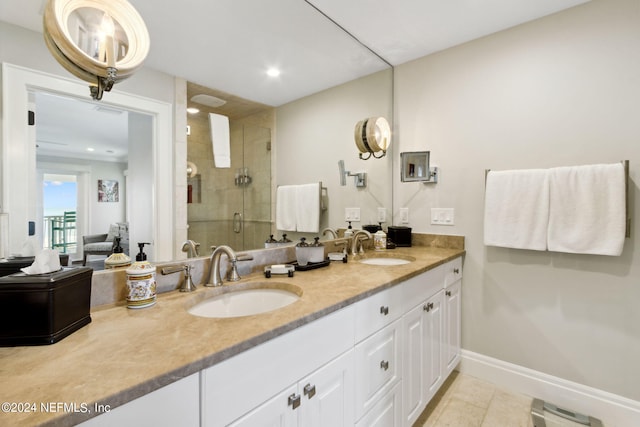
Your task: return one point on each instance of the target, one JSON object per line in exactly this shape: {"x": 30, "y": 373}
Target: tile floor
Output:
{"x": 465, "y": 401}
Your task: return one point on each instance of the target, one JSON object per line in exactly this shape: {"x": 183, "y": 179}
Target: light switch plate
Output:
{"x": 352, "y": 214}
{"x": 442, "y": 216}
{"x": 382, "y": 215}
{"x": 404, "y": 215}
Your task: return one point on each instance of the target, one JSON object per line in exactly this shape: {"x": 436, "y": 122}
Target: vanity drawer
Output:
{"x": 453, "y": 271}
{"x": 378, "y": 366}
{"x": 377, "y": 311}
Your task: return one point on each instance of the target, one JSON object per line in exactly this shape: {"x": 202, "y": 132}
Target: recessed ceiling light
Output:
{"x": 90, "y": 149}
{"x": 193, "y": 110}
{"x": 208, "y": 100}
{"x": 273, "y": 72}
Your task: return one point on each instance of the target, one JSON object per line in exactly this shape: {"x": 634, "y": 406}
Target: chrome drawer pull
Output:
{"x": 384, "y": 365}
{"x": 384, "y": 310}
{"x": 294, "y": 401}
{"x": 427, "y": 307}
{"x": 309, "y": 390}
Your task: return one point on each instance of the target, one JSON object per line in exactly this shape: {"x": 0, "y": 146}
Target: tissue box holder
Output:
{"x": 399, "y": 235}
{"x": 44, "y": 308}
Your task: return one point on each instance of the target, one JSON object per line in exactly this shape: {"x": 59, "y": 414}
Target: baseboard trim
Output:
{"x": 613, "y": 410}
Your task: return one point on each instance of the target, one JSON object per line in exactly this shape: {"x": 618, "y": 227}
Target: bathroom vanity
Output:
{"x": 365, "y": 345}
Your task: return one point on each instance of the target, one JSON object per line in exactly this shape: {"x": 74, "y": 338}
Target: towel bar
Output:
{"x": 625, "y": 163}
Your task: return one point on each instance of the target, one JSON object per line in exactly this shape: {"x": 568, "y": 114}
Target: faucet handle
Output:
{"x": 233, "y": 275}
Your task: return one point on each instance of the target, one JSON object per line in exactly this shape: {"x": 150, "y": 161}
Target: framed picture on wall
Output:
{"x": 108, "y": 190}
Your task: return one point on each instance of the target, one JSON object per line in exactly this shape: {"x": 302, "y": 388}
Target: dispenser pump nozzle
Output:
{"x": 141, "y": 256}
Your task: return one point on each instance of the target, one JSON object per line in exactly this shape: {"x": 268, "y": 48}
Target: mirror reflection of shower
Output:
{"x": 230, "y": 205}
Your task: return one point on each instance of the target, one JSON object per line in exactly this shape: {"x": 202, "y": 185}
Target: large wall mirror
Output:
{"x": 295, "y": 143}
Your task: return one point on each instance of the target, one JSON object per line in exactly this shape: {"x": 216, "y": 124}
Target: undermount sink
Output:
{"x": 247, "y": 301}
{"x": 386, "y": 259}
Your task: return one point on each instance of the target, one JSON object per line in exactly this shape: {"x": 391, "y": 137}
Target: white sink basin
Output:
{"x": 245, "y": 302}
{"x": 384, "y": 259}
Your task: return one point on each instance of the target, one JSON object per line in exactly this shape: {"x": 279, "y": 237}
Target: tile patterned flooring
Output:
{"x": 465, "y": 401}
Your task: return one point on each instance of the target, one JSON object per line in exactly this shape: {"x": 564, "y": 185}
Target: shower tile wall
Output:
{"x": 211, "y": 215}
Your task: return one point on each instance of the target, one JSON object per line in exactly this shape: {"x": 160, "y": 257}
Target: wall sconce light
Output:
{"x": 372, "y": 135}
{"x": 101, "y": 42}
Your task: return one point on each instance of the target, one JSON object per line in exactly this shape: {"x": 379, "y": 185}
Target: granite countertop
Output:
{"x": 124, "y": 354}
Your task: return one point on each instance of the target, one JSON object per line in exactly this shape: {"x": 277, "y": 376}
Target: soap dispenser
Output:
{"x": 141, "y": 281}
{"x": 271, "y": 242}
{"x": 118, "y": 258}
{"x": 349, "y": 231}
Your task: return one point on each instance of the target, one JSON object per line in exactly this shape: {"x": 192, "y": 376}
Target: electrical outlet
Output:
{"x": 404, "y": 215}
{"x": 352, "y": 214}
{"x": 382, "y": 215}
{"x": 442, "y": 216}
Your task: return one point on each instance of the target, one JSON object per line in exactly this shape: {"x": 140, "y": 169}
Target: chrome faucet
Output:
{"x": 357, "y": 236}
{"x": 331, "y": 231}
{"x": 191, "y": 248}
{"x": 214, "y": 277}
{"x": 187, "y": 285}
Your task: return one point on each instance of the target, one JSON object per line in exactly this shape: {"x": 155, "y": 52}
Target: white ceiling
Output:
{"x": 229, "y": 44}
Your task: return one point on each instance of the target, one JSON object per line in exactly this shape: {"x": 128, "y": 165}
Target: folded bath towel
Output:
{"x": 308, "y": 208}
{"x": 516, "y": 209}
{"x": 588, "y": 211}
{"x": 286, "y": 197}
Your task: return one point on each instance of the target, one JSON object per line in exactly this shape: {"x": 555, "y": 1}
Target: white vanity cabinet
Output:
{"x": 268, "y": 382}
{"x": 175, "y": 404}
{"x": 431, "y": 329}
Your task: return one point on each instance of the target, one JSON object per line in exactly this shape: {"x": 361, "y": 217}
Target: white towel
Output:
{"x": 516, "y": 209}
{"x": 220, "y": 139}
{"x": 588, "y": 212}
{"x": 308, "y": 208}
{"x": 286, "y": 207}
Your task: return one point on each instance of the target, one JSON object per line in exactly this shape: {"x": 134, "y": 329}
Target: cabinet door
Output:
{"x": 387, "y": 412}
{"x": 280, "y": 411}
{"x": 327, "y": 395}
{"x": 413, "y": 366}
{"x": 434, "y": 330}
{"x": 453, "y": 307}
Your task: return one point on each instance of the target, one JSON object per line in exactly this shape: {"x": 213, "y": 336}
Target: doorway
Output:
{"x": 60, "y": 205}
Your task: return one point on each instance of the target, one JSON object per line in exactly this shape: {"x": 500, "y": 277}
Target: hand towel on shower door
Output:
{"x": 516, "y": 210}
{"x": 588, "y": 209}
{"x": 220, "y": 140}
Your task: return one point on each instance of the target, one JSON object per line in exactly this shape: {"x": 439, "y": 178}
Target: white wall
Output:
{"x": 104, "y": 213}
{"x": 563, "y": 90}
{"x": 314, "y": 132}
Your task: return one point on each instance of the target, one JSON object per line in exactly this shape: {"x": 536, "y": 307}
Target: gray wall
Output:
{"x": 559, "y": 91}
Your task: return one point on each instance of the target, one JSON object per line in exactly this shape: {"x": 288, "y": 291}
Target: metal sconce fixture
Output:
{"x": 373, "y": 136}
{"x": 101, "y": 42}
{"x": 360, "y": 178}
